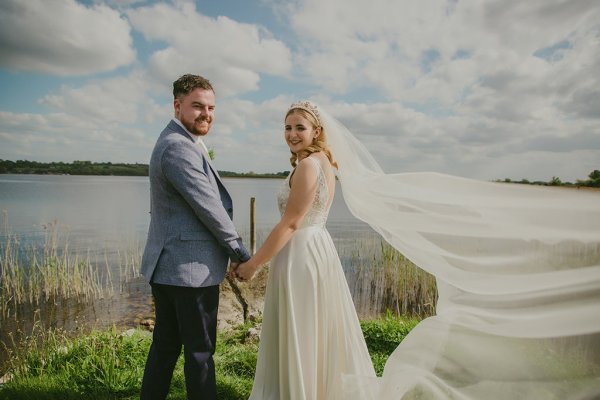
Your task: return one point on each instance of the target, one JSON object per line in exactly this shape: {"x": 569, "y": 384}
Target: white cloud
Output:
{"x": 474, "y": 72}
{"x": 487, "y": 89}
{"x": 118, "y": 100}
{"x": 497, "y": 37}
{"x": 248, "y": 136}
{"x": 65, "y": 137}
{"x": 63, "y": 37}
{"x": 232, "y": 55}
{"x": 104, "y": 120}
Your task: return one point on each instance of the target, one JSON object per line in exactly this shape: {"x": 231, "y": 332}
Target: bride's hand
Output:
{"x": 245, "y": 272}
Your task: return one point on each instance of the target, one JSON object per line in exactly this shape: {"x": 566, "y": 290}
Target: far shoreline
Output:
{"x": 238, "y": 175}
{"x": 88, "y": 168}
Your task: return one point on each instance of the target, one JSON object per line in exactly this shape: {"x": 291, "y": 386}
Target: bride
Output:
{"x": 517, "y": 270}
{"x": 310, "y": 335}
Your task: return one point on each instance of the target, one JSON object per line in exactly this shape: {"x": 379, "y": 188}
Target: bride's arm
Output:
{"x": 302, "y": 194}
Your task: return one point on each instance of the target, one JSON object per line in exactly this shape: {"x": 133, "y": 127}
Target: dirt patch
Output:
{"x": 230, "y": 309}
{"x": 231, "y": 312}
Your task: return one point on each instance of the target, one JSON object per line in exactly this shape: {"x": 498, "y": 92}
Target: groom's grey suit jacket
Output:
{"x": 191, "y": 235}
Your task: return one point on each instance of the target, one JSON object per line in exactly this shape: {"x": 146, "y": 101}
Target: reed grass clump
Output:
{"x": 50, "y": 270}
{"x": 381, "y": 279}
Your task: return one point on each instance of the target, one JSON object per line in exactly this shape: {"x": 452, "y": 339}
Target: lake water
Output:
{"x": 104, "y": 217}
{"x": 99, "y": 211}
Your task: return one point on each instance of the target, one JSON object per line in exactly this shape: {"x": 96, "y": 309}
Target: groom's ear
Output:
{"x": 176, "y": 106}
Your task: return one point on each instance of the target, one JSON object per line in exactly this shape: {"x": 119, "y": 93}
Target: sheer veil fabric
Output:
{"x": 518, "y": 274}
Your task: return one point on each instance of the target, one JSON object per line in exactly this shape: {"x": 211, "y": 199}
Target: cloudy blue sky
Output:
{"x": 482, "y": 89}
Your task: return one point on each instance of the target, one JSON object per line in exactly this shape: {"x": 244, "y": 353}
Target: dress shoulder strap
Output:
{"x": 317, "y": 164}
{"x": 321, "y": 176}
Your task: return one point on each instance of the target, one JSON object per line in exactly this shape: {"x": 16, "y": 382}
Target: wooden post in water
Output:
{"x": 253, "y": 225}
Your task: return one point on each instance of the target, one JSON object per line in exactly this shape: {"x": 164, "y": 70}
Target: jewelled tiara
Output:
{"x": 308, "y": 107}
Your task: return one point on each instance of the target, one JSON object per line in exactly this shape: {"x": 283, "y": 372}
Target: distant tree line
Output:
{"x": 122, "y": 169}
{"x": 74, "y": 168}
{"x": 102, "y": 168}
{"x": 253, "y": 174}
{"x": 593, "y": 181}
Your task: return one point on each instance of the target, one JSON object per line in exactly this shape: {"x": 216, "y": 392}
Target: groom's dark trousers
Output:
{"x": 184, "y": 316}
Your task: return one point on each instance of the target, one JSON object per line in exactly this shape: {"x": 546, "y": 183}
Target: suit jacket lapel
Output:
{"x": 214, "y": 170}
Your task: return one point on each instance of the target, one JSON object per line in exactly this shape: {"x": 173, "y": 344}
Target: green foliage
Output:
{"x": 109, "y": 365}
{"x": 386, "y": 280}
{"x": 106, "y": 168}
{"x": 74, "y": 168}
{"x": 235, "y": 357}
{"x": 235, "y": 366}
{"x": 555, "y": 181}
{"x": 593, "y": 181}
{"x": 98, "y": 365}
{"x": 252, "y": 174}
{"x": 384, "y": 335}
{"x": 34, "y": 275}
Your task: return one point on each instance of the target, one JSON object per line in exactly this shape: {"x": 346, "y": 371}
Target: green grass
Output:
{"x": 383, "y": 336}
{"x": 109, "y": 364}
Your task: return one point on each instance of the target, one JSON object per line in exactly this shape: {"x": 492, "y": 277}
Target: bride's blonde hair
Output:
{"x": 309, "y": 111}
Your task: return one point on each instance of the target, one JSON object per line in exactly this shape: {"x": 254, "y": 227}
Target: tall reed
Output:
{"x": 382, "y": 279}
{"x": 30, "y": 274}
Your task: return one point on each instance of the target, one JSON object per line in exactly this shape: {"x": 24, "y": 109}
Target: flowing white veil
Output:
{"x": 518, "y": 274}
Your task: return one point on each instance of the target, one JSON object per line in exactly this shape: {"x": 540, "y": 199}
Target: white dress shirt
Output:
{"x": 196, "y": 138}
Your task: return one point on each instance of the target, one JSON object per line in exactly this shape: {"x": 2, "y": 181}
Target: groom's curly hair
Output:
{"x": 188, "y": 82}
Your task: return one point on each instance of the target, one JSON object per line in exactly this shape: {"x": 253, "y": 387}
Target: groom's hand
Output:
{"x": 245, "y": 272}
{"x": 233, "y": 266}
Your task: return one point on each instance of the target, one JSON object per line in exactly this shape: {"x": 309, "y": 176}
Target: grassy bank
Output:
{"x": 109, "y": 364}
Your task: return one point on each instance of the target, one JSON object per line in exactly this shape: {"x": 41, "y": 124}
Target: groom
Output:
{"x": 190, "y": 240}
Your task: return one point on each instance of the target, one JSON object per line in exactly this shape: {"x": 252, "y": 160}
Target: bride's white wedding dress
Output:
{"x": 518, "y": 275}
{"x": 311, "y": 335}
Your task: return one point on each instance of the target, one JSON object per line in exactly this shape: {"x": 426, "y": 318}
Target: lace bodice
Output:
{"x": 317, "y": 215}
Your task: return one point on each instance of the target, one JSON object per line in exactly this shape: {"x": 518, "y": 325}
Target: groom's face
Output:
{"x": 196, "y": 110}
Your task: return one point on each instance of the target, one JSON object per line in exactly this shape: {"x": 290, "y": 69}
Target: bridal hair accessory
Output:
{"x": 308, "y": 107}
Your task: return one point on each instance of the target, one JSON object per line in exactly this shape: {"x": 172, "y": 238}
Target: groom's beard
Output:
{"x": 199, "y": 126}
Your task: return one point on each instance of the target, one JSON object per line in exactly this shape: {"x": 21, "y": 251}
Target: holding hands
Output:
{"x": 245, "y": 271}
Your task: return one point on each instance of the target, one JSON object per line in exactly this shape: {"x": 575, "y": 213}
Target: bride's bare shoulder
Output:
{"x": 305, "y": 170}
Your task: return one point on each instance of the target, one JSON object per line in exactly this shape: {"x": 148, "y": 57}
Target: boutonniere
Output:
{"x": 211, "y": 154}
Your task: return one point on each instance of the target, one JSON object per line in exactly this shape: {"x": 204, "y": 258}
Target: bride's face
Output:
{"x": 299, "y": 132}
